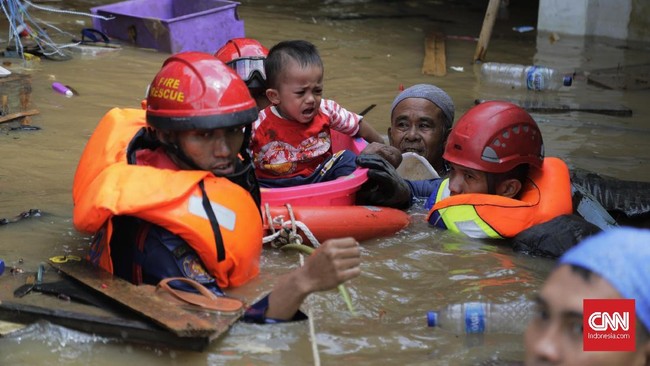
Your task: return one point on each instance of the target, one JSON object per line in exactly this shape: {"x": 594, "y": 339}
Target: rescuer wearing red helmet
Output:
{"x": 500, "y": 183}
{"x": 166, "y": 193}
{"x": 246, "y": 56}
{"x": 491, "y": 149}
{"x": 194, "y": 95}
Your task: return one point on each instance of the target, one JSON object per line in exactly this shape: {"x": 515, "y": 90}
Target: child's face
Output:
{"x": 466, "y": 180}
{"x": 300, "y": 91}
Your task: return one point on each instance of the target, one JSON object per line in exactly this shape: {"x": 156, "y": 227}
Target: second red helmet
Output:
{"x": 495, "y": 137}
{"x": 246, "y": 56}
{"x": 241, "y": 48}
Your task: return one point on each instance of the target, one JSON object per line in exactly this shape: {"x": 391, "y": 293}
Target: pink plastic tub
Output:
{"x": 339, "y": 192}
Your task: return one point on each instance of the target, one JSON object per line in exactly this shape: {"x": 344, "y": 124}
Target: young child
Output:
{"x": 612, "y": 266}
{"x": 291, "y": 142}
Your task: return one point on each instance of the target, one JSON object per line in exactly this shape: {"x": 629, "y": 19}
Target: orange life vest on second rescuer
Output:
{"x": 105, "y": 185}
{"x": 546, "y": 195}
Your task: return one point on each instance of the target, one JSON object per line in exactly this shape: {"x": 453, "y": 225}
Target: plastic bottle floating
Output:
{"x": 523, "y": 29}
{"x": 62, "y": 89}
{"x": 483, "y": 317}
{"x": 532, "y": 77}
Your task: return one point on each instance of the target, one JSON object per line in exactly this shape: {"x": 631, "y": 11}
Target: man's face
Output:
{"x": 212, "y": 150}
{"x": 417, "y": 125}
{"x": 554, "y": 336}
{"x": 466, "y": 180}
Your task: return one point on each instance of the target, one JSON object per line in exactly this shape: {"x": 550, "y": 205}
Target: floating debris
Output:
{"x": 523, "y": 29}
{"x": 24, "y": 28}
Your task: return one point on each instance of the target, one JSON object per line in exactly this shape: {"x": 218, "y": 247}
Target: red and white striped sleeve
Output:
{"x": 340, "y": 118}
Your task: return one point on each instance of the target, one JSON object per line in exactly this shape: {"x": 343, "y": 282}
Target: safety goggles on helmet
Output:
{"x": 249, "y": 68}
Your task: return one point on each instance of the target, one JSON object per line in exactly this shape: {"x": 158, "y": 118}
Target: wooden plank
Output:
{"x": 435, "y": 61}
{"x": 15, "y": 91}
{"x": 105, "y": 317}
{"x": 486, "y": 30}
{"x": 560, "y": 107}
{"x": 635, "y": 77}
{"x": 120, "y": 309}
{"x": 254, "y": 290}
{"x": 13, "y": 116}
{"x": 119, "y": 327}
{"x": 143, "y": 301}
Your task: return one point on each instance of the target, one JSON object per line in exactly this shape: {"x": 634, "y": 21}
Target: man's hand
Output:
{"x": 334, "y": 262}
{"x": 384, "y": 186}
{"x": 390, "y": 153}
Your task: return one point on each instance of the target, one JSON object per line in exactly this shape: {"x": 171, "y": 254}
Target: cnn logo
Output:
{"x": 602, "y": 321}
{"x": 609, "y": 325}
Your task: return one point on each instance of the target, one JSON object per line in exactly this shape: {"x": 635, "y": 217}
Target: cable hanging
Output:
{"x": 21, "y": 22}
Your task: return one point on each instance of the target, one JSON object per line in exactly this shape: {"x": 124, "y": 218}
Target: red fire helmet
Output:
{"x": 237, "y": 48}
{"x": 246, "y": 56}
{"x": 194, "y": 90}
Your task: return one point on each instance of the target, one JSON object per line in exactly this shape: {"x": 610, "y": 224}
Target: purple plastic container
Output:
{"x": 172, "y": 25}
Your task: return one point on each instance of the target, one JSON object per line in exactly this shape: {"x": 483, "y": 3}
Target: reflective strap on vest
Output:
{"x": 465, "y": 219}
{"x": 443, "y": 190}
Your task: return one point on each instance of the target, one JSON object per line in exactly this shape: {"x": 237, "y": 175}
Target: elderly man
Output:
{"x": 420, "y": 120}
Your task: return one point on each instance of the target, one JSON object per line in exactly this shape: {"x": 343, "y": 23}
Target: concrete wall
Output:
{"x": 620, "y": 19}
{"x": 640, "y": 21}
{"x": 562, "y": 16}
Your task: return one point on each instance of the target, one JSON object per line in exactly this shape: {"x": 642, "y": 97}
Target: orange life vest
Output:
{"x": 105, "y": 185}
{"x": 546, "y": 195}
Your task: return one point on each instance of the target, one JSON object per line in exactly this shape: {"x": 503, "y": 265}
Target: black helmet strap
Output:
{"x": 244, "y": 175}
{"x": 174, "y": 149}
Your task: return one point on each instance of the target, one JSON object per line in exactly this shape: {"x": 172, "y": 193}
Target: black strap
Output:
{"x": 221, "y": 251}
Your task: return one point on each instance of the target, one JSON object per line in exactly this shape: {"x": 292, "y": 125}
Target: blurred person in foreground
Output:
{"x": 614, "y": 264}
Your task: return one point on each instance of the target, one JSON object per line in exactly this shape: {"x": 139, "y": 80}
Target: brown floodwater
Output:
{"x": 369, "y": 48}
